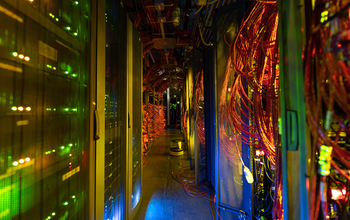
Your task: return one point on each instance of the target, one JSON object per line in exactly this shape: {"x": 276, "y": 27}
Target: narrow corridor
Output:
{"x": 163, "y": 197}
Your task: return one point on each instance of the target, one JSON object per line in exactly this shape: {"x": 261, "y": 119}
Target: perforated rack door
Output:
{"x": 115, "y": 112}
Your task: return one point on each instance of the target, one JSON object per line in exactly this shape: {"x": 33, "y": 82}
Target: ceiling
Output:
{"x": 169, "y": 30}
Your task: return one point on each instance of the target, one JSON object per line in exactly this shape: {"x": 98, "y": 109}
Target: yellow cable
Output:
{"x": 199, "y": 10}
{"x": 200, "y": 33}
{"x": 209, "y": 3}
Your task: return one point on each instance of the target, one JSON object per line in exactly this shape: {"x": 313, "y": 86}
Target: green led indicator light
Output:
{"x": 280, "y": 126}
{"x": 66, "y": 72}
{"x": 66, "y": 203}
{"x": 62, "y": 147}
{"x": 14, "y": 54}
{"x": 74, "y": 75}
{"x": 66, "y": 109}
{"x": 48, "y": 109}
{"x": 54, "y": 109}
{"x": 73, "y": 197}
{"x": 57, "y": 19}
{"x": 53, "y": 214}
{"x": 48, "y": 66}
{"x": 49, "y": 217}
{"x": 74, "y": 109}
{"x": 76, "y": 2}
{"x": 53, "y": 150}
{"x": 70, "y": 145}
{"x": 14, "y": 108}
{"x": 75, "y": 33}
{"x": 54, "y": 68}
{"x": 15, "y": 163}
{"x": 324, "y": 16}
{"x": 68, "y": 28}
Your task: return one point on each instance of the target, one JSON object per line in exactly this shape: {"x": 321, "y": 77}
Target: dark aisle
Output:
{"x": 163, "y": 197}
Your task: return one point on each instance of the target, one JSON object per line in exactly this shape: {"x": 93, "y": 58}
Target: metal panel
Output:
{"x": 209, "y": 110}
{"x": 137, "y": 119}
{"x": 294, "y": 169}
{"x": 114, "y": 103}
{"x": 199, "y": 121}
{"x": 234, "y": 194}
{"x": 134, "y": 125}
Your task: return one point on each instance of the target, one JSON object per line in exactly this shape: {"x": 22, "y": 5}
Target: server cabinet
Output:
{"x": 119, "y": 98}
{"x": 233, "y": 192}
{"x": 296, "y": 148}
{"x": 200, "y": 152}
{"x": 137, "y": 100}
{"x": 134, "y": 124}
{"x": 44, "y": 109}
{"x": 190, "y": 138}
{"x": 115, "y": 114}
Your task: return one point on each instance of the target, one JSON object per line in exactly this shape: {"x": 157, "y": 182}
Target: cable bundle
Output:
{"x": 153, "y": 126}
{"x": 146, "y": 145}
{"x": 327, "y": 99}
{"x": 249, "y": 102}
{"x": 200, "y": 109}
{"x": 154, "y": 122}
{"x": 186, "y": 177}
{"x": 255, "y": 56}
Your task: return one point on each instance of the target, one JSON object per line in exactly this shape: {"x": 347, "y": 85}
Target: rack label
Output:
{"x": 70, "y": 173}
{"x": 47, "y": 51}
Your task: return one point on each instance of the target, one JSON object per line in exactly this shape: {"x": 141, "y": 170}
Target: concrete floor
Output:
{"x": 162, "y": 196}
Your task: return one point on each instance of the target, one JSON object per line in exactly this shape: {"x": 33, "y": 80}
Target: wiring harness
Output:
{"x": 327, "y": 102}
{"x": 186, "y": 177}
{"x": 200, "y": 108}
{"x": 154, "y": 124}
{"x": 249, "y": 100}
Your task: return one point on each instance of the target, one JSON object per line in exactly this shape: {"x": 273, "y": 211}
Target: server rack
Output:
{"x": 118, "y": 152}
{"x": 115, "y": 97}
{"x": 295, "y": 134}
{"x": 190, "y": 138}
{"x": 64, "y": 111}
{"x": 44, "y": 110}
{"x": 134, "y": 125}
{"x": 199, "y": 120}
{"x": 233, "y": 192}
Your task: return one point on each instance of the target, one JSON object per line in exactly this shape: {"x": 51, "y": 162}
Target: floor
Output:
{"x": 163, "y": 197}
